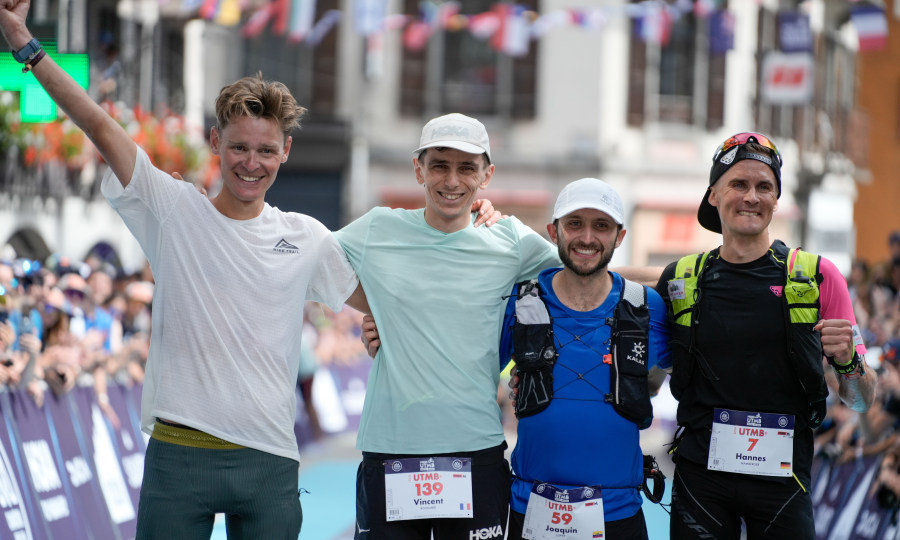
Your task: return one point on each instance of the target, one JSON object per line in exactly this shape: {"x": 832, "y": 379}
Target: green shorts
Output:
{"x": 190, "y": 476}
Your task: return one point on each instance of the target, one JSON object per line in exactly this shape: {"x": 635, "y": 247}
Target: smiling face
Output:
{"x": 746, "y": 197}
{"x": 586, "y": 240}
{"x": 250, "y": 151}
{"x": 452, "y": 179}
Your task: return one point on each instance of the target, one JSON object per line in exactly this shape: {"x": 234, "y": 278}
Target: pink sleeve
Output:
{"x": 835, "y": 300}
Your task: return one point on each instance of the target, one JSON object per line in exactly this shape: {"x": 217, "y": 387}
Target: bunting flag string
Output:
{"x": 507, "y": 27}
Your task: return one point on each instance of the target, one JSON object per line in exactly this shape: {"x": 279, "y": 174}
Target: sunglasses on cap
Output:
{"x": 744, "y": 138}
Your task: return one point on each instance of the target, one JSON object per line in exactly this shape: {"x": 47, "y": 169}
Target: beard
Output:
{"x": 605, "y": 257}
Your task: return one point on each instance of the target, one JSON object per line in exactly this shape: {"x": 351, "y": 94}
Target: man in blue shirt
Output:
{"x": 578, "y": 463}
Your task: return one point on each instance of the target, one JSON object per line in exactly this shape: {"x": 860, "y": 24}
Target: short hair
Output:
{"x": 255, "y": 97}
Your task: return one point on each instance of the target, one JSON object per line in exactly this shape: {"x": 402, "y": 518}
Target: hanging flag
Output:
{"x": 321, "y": 29}
{"x": 656, "y": 25}
{"x": 282, "y": 13}
{"x": 548, "y": 21}
{"x": 369, "y": 15}
{"x": 446, "y": 12}
{"x": 258, "y": 21}
{"x": 394, "y": 22}
{"x": 188, "y": 6}
{"x": 209, "y": 9}
{"x": 484, "y": 25}
{"x": 303, "y": 13}
{"x": 871, "y": 27}
{"x": 721, "y": 31}
{"x": 277, "y": 10}
{"x": 794, "y": 32}
{"x": 433, "y": 18}
{"x": 513, "y": 35}
{"x": 703, "y": 8}
{"x": 229, "y": 13}
{"x": 416, "y": 35}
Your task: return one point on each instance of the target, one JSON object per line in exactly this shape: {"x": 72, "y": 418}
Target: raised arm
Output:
{"x": 111, "y": 140}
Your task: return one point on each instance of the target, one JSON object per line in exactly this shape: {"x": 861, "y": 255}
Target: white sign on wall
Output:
{"x": 786, "y": 78}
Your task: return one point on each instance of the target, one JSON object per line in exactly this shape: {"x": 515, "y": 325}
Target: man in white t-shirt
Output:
{"x": 430, "y": 432}
{"x": 232, "y": 275}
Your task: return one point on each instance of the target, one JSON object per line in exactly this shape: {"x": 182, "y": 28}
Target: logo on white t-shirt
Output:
{"x": 283, "y": 246}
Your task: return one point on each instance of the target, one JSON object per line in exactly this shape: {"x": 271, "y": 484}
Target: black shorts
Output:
{"x": 490, "y": 500}
{"x": 633, "y": 528}
{"x": 712, "y": 504}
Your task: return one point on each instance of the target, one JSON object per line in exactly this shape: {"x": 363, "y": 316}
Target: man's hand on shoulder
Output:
{"x": 200, "y": 189}
{"x": 369, "y": 335}
{"x": 487, "y": 215}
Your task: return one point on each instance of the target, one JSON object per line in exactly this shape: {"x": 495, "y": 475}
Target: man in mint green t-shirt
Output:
{"x": 430, "y": 431}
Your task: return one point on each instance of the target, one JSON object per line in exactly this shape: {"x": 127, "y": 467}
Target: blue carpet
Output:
{"x": 329, "y": 509}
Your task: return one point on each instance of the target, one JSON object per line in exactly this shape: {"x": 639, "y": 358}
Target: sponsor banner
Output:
{"x": 19, "y": 518}
{"x": 847, "y": 522}
{"x": 80, "y": 475}
{"x": 350, "y": 380}
{"x": 129, "y": 444}
{"x": 102, "y": 449}
{"x": 840, "y": 482}
{"x": 44, "y": 469}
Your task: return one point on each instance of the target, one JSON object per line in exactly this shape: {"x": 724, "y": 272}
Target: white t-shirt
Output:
{"x": 438, "y": 299}
{"x": 227, "y": 307}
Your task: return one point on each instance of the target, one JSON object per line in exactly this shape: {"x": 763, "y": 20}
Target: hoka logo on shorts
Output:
{"x": 426, "y": 465}
{"x": 755, "y": 421}
{"x": 283, "y": 246}
{"x": 488, "y": 532}
{"x": 561, "y": 496}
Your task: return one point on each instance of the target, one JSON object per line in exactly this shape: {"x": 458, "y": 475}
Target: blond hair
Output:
{"x": 256, "y": 97}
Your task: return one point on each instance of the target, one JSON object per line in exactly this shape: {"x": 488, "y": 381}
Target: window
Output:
{"x": 677, "y": 79}
{"x": 457, "y": 72}
{"x": 309, "y": 71}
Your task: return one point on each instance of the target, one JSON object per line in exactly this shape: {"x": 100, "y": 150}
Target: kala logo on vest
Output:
{"x": 637, "y": 353}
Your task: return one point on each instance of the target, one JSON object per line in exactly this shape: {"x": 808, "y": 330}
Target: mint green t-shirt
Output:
{"x": 438, "y": 301}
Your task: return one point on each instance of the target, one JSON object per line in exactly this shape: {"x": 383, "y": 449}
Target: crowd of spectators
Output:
{"x": 846, "y": 436}
{"x": 67, "y": 323}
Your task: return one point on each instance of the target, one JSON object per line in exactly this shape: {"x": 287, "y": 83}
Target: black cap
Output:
{"x": 707, "y": 214}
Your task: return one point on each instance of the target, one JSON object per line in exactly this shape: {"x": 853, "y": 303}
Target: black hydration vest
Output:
{"x": 535, "y": 353}
{"x": 800, "y": 310}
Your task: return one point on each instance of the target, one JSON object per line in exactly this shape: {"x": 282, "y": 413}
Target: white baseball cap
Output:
{"x": 455, "y": 131}
{"x": 589, "y": 193}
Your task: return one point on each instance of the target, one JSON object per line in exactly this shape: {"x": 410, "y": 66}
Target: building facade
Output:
{"x": 636, "y": 93}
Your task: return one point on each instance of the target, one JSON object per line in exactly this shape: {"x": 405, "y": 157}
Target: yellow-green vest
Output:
{"x": 801, "y": 312}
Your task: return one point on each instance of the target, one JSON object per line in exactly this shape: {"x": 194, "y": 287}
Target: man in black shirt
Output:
{"x": 752, "y": 321}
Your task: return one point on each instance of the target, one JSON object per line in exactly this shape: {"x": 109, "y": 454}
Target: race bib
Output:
{"x": 676, "y": 289}
{"x": 570, "y": 514}
{"x": 435, "y": 487}
{"x": 751, "y": 443}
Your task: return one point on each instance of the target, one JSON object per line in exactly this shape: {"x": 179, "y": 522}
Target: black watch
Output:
{"x": 28, "y": 51}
